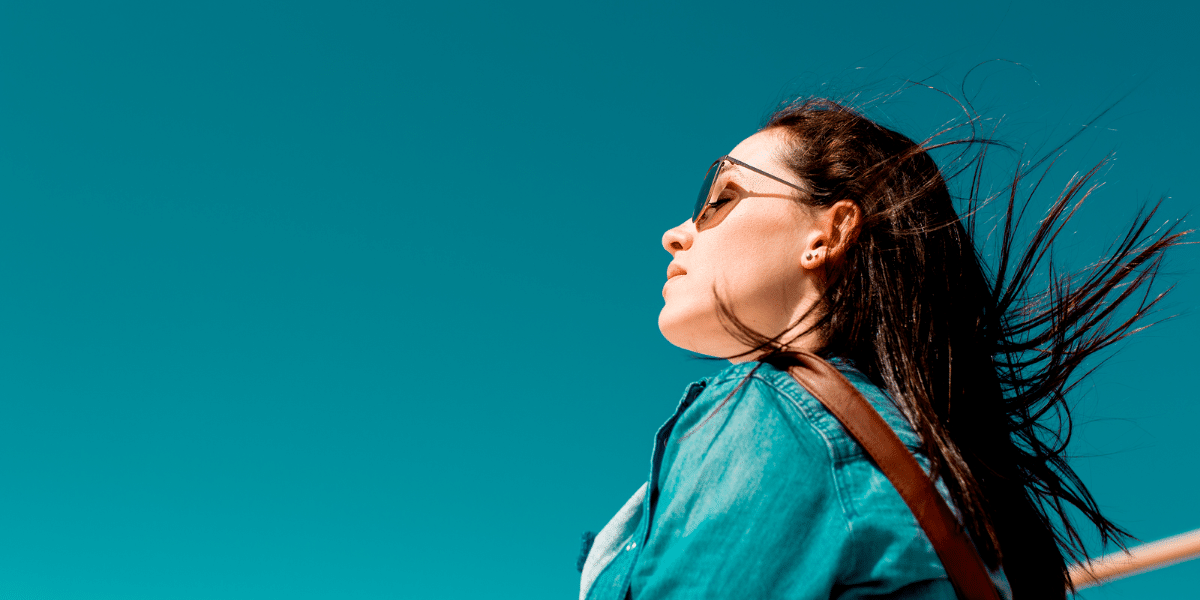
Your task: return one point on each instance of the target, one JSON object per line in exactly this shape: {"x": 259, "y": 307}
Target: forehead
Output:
{"x": 764, "y": 150}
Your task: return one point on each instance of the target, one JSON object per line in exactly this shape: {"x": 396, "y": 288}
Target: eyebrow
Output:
{"x": 735, "y": 174}
{"x": 739, "y": 163}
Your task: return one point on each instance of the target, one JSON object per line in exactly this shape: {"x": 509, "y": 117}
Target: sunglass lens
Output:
{"x": 706, "y": 188}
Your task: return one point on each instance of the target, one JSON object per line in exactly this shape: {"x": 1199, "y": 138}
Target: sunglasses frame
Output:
{"x": 706, "y": 187}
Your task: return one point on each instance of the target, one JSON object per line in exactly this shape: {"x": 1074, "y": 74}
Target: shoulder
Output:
{"x": 752, "y": 409}
{"x": 759, "y": 418}
{"x": 748, "y": 439}
{"x": 757, "y": 467}
{"x": 748, "y": 393}
{"x": 754, "y": 430}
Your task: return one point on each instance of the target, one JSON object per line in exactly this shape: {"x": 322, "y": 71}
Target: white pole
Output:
{"x": 1139, "y": 559}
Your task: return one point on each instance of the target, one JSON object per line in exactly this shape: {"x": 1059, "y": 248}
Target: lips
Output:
{"x": 673, "y": 270}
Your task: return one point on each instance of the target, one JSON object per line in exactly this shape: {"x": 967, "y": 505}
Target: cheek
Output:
{"x": 763, "y": 294}
{"x": 751, "y": 260}
{"x": 756, "y": 279}
{"x": 763, "y": 282}
{"x": 763, "y": 266}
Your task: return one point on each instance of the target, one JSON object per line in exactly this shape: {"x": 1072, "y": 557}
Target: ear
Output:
{"x": 835, "y": 227}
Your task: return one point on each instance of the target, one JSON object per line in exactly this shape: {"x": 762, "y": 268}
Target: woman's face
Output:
{"x": 750, "y": 251}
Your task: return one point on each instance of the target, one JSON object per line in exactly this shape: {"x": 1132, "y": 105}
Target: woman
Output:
{"x": 827, "y": 233}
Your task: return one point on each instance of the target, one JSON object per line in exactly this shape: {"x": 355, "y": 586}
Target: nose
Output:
{"x": 678, "y": 238}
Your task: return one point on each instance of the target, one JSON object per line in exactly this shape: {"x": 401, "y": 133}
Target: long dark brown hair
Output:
{"x": 978, "y": 360}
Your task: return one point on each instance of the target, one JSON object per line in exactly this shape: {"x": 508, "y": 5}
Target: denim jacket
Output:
{"x": 758, "y": 492}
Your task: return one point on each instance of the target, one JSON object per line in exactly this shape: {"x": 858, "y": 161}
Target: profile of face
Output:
{"x": 757, "y": 247}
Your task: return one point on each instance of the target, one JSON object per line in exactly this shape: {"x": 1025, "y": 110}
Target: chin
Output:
{"x": 675, "y": 329}
{"x": 702, "y": 336}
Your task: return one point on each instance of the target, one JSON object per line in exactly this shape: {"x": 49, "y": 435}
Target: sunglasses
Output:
{"x": 714, "y": 173}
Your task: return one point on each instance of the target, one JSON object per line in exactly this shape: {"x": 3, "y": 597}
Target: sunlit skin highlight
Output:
{"x": 763, "y": 252}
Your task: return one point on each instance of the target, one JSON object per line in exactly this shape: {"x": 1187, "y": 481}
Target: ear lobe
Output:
{"x": 814, "y": 255}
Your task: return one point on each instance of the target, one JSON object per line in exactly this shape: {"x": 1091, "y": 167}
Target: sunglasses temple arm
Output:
{"x": 764, "y": 173}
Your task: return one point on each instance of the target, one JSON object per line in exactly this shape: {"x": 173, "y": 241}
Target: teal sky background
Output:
{"x": 359, "y": 299}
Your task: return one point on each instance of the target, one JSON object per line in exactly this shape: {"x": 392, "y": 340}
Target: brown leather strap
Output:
{"x": 959, "y": 557}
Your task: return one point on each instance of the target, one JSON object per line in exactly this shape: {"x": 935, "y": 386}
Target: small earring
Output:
{"x": 808, "y": 256}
